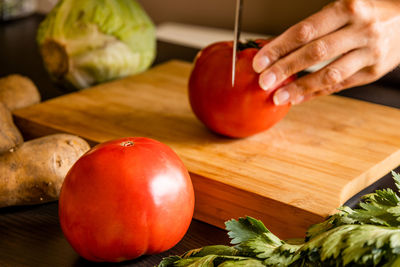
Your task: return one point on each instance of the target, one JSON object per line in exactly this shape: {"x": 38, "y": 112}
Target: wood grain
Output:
{"x": 290, "y": 176}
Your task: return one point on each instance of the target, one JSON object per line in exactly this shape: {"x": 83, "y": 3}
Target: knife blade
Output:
{"x": 236, "y": 36}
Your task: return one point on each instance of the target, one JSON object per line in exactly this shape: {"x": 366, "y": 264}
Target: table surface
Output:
{"x": 31, "y": 236}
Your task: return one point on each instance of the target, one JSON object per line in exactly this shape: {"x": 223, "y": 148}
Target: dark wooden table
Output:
{"x": 31, "y": 236}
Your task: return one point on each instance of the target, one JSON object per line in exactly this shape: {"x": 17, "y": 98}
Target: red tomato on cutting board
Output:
{"x": 238, "y": 111}
{"x": 126, "y": 198}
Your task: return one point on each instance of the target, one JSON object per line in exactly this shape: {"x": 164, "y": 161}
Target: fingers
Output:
{"x": 332, "y": 78}
{"x": 359, "y": 34}
{"x": 329, "y": 19}
{"x": 360, "y": 78}
{"x": 366, "y": 75}
{"x": 327, "y": 47}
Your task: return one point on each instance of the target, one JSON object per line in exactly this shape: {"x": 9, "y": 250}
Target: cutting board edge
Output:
{"x": 370, "y": 176}
{"x": 212, "y": 203}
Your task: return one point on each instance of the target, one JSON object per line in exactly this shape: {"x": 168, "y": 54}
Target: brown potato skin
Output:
{"x": 17, "y": 91}
{"x": 10, "y": 136}
{"x": 34, "y": 172}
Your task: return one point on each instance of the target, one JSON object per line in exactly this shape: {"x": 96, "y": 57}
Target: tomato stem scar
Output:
{"x": 127, "y": 143}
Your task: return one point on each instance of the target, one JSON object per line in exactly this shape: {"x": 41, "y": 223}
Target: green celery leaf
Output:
{"x": 396, "y": 178}
{"x": 283, "y": 255}
{"x": 273, "y": 255}
{"x": 377, "y": 244}
{"x": 217, "y": 260}
{"x": 206, "y": 261}
{"x": 249, "y": 228}
{"x": 327, "y": 245}
{"x": 353, "y": 245}
{"x": 256, "y": 241}
{"x": 393, "y": 263}
{"x": 379, "y": 208}
{"x": 169, "y": 261}
{"x": 211, "y": 250}
{"x": 338, "y": 219}
{"x": 243, "y": 263}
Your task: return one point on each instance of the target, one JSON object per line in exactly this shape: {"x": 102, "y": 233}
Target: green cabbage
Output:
{"x": 85, "y": 42}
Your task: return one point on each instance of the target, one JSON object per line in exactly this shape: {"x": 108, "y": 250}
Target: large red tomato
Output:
{"x": 126, "y": 198}
{"x": 238, "y": 111}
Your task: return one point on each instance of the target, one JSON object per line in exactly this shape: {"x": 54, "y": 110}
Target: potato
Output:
{"x": 17, "y": 91}
{"x": 10, "y": 137}
{"x": 35, "y": 171}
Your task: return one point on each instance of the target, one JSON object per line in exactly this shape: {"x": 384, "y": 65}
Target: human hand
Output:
{"x": 362, "y": 36}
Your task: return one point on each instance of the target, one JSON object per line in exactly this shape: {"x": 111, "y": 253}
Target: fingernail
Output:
{"x": 281, "y": 97}
{"x": 267, "y": 80}
{"x": 260, "y": 63}
{"x": 298, "y": 100}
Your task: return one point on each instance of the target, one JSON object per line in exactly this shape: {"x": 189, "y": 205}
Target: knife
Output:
{"x": 236, "y": 36}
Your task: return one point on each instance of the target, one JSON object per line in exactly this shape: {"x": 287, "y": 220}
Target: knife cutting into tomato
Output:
{"x": 224, "y": 92}
{"x": 236, "y": 36}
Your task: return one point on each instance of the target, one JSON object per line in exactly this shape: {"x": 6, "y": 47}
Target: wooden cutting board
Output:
{"x": 293, "y": 175}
